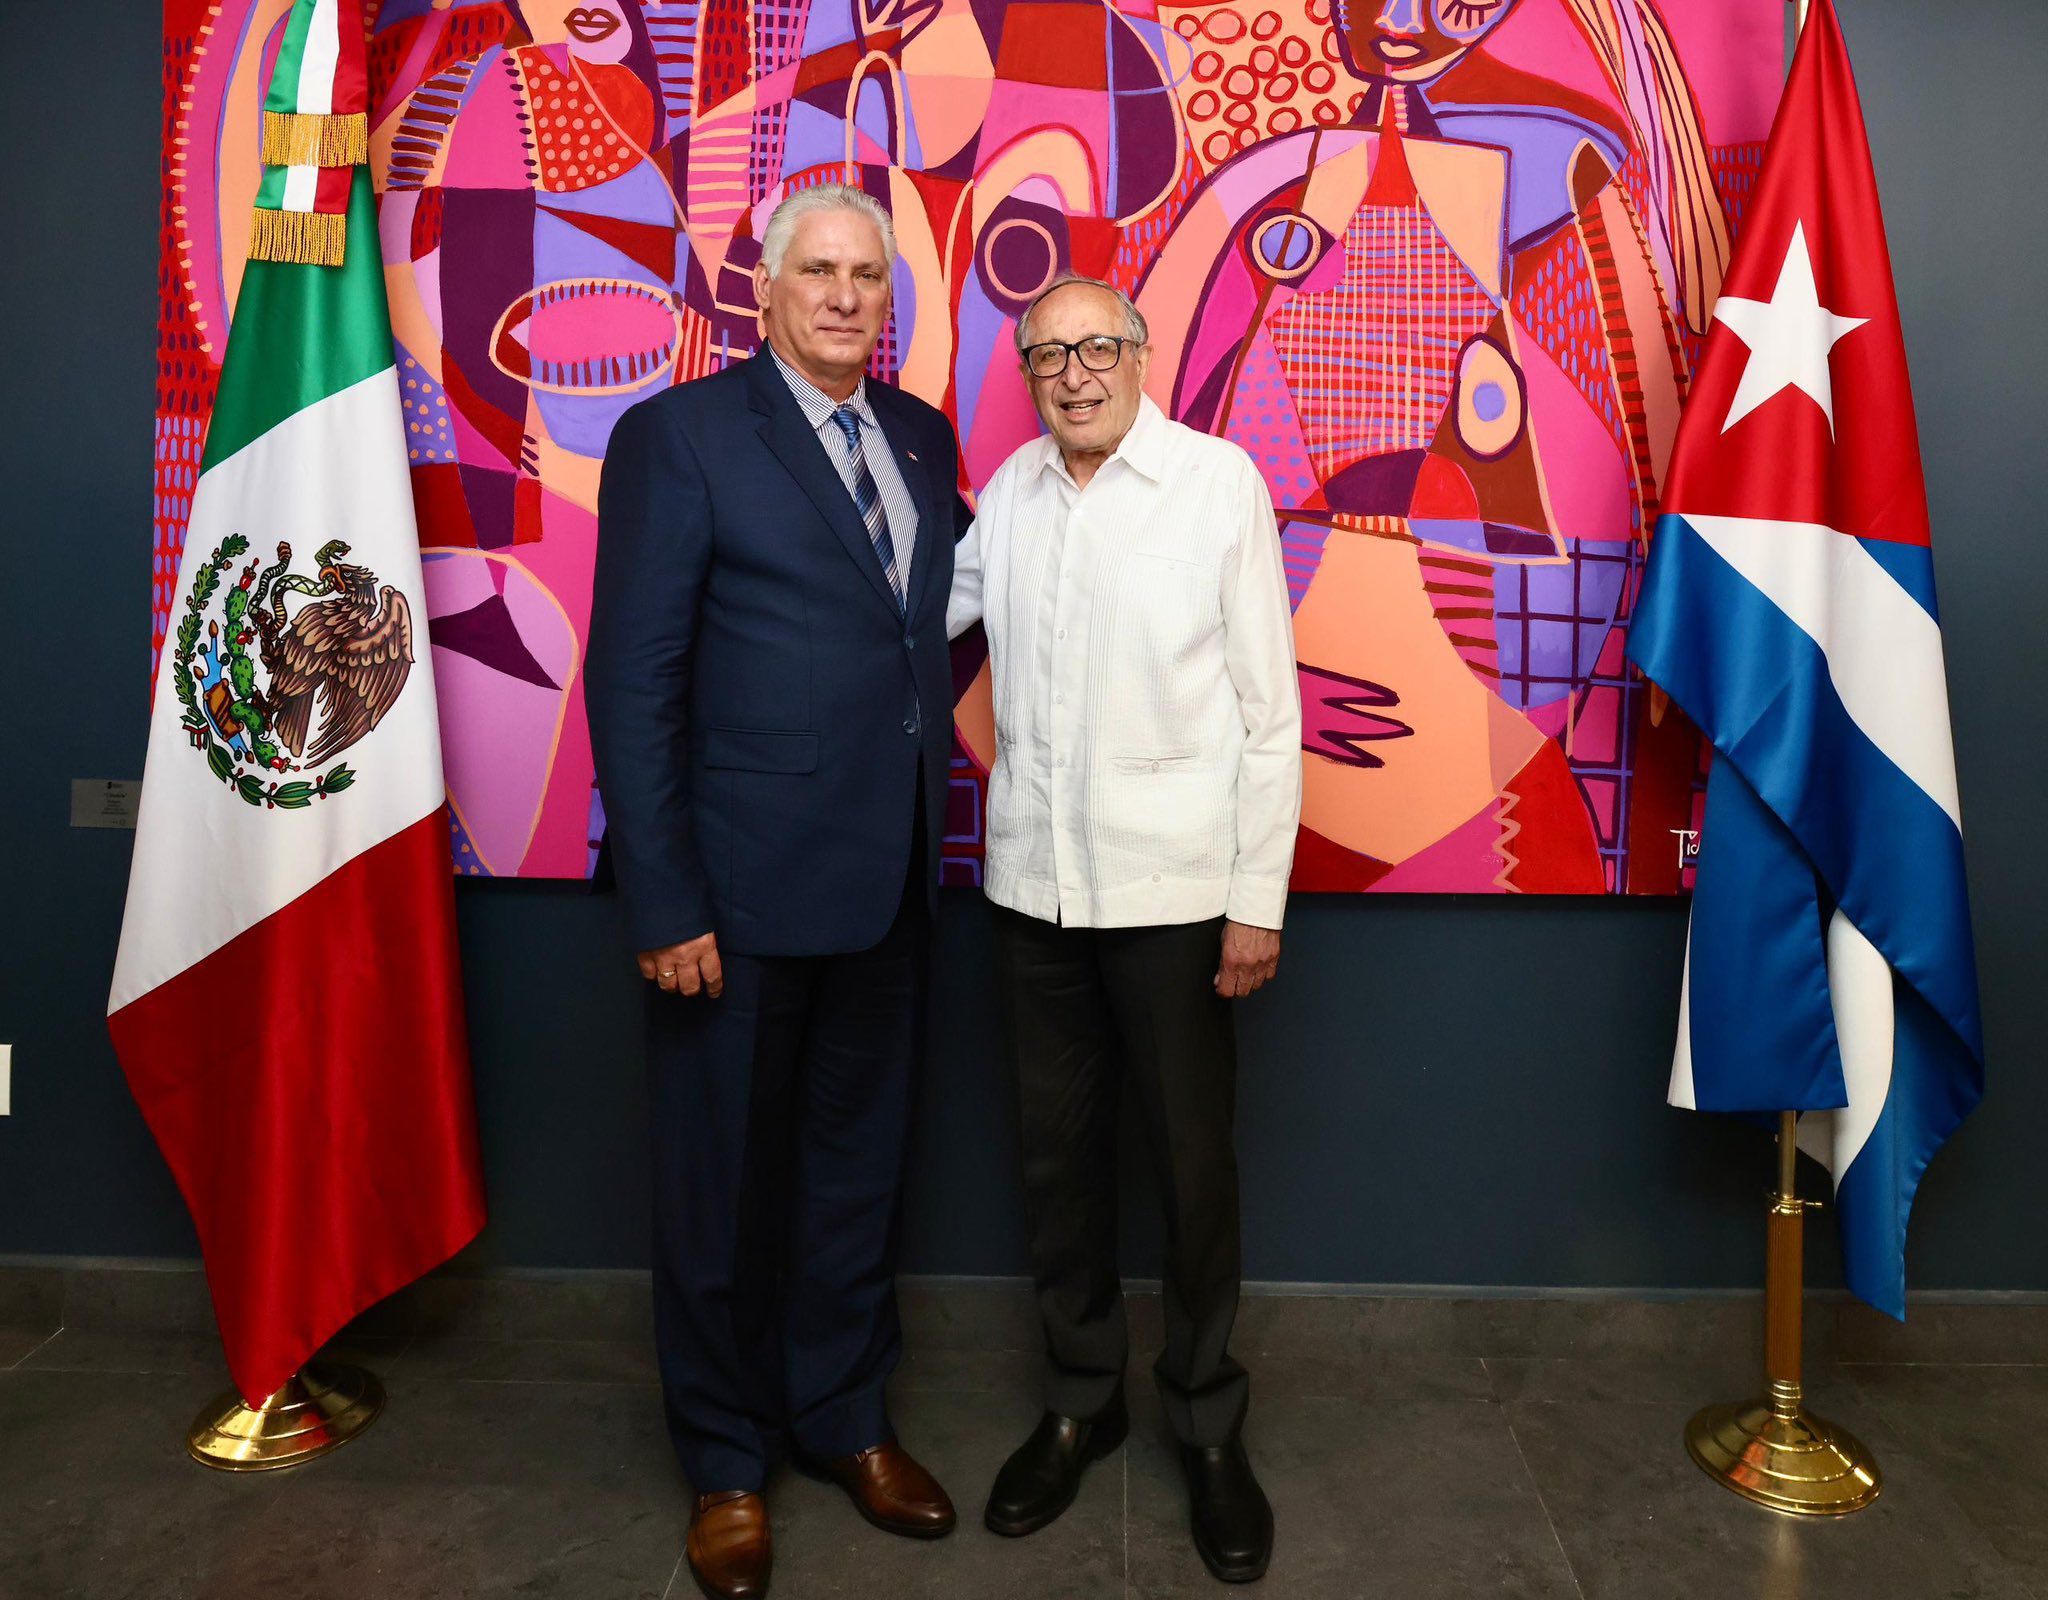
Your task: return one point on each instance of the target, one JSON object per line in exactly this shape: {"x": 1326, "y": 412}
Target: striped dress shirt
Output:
{"x": 817, "y": 407}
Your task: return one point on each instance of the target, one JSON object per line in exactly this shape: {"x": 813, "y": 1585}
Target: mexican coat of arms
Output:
{"x": 270, "y": 691}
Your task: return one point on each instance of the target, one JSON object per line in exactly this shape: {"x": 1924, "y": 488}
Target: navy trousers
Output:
{"x": 781, "y": 1121}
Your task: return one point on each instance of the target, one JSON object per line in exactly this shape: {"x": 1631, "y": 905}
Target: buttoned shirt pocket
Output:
{"x": 1166, "y": 810}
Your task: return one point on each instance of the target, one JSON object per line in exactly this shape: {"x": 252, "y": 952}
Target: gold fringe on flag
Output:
{"x": 292, "y": 139}
{"x": 310, "y": 238}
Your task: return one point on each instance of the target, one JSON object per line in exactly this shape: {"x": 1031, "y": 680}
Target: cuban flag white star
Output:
{"x": 1789, "y": 336}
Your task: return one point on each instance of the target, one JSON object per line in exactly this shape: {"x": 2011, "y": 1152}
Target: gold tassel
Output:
{"x": 309, "y": 238}
{"x": 291, "y": 139}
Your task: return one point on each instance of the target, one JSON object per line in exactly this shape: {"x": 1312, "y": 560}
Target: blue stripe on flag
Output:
{"x": 1762, "y": 1025}
{"x": 1758, "y": 686}
{"x": 1910, "y": 566}
{"x": 1935, "y": 1083}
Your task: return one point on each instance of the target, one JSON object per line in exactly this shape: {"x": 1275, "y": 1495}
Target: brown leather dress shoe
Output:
{"x": 893, "y": 1492}
{"x": 728, "y": 1545}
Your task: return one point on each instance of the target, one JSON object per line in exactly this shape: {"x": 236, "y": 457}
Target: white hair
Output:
{"x": 1134, "y": 319}
{"x": 809, "y": 202}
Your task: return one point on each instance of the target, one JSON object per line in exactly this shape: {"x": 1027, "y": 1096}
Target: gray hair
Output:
{"x": 1134, "y": 319}
{"x": 809, "y": 202}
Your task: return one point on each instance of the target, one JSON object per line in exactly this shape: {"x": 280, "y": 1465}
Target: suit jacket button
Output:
{"x": 910, "y": 726}
{"x": 909, "y": 642}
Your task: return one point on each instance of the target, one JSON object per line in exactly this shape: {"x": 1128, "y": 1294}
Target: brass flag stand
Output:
{"x": 1774, "y": 1451}
{"x": 319, "y": 1409}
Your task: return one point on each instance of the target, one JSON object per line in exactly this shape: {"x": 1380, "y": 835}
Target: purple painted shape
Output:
{"x": 812, "y": 138}
{"x": 828, "y": 22}
{"x": 1541, "y": 145}
{"x": 1454, "y": 533}
{"x": 1143, "y": 136}
{"x": 1378, "y": 486}
{"x": 467, "y": 863}
{"x": 981, "y": 327}
{"x": 1505, "y": 539}
{"x": 487, "y": 634}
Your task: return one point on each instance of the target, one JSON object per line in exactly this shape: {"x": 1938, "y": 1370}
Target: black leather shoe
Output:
{"x": 1232, "y": 1518}
{"x": 1040, "y": 1480}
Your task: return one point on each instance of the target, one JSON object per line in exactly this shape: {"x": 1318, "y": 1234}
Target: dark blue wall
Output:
{"x": 1453, "y": 1091}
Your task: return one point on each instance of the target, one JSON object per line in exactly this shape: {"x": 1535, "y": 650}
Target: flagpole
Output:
{"x": 1773, "y": 1450}
{"x": 319, "y": 1408}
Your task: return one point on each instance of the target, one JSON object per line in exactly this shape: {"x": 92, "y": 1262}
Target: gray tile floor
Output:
{"x": 1411, "y": 1451}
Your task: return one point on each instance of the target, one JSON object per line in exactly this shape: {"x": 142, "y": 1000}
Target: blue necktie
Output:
{"x": 867, "y": 500}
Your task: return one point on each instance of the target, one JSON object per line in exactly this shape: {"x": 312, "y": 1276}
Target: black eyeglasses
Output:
{"x": 1098, "y": 352}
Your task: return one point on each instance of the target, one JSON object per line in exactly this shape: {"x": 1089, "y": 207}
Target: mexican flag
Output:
{"x": 287, "y": 999}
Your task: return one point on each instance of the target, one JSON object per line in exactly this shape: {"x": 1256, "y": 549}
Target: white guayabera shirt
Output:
{"x": 1148, "y": 718}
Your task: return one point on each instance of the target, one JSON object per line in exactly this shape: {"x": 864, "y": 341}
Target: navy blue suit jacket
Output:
{"x": 759, "y": 707}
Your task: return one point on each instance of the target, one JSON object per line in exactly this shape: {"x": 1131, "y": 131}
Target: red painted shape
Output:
{"x": 440, "y": 507}
{"x": 1058, "y": 46}
{"x": 1443, "y": 493}
{"x": 1555, "y": 850}
{"x": 1321, "y": 866}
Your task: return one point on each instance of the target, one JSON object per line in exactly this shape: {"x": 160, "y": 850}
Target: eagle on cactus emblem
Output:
{"x": 269, "y": 690}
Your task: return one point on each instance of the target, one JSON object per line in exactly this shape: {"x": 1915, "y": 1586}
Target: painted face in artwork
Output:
{"x": 1088, "y": 412}
{"x": 1412, "y": 41}
{"x": 594, "y": 30}
{"x": 824, "y": 309}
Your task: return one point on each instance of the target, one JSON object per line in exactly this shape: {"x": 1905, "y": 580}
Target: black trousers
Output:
{"x": 781, "y": 1122}
{"x": 1093, "y": 1017}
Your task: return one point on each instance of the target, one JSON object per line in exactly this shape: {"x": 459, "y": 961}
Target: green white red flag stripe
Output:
{"x": 315, "y": 128}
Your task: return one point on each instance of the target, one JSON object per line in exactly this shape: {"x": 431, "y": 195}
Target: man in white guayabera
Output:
{"x": 1142, "y": 810}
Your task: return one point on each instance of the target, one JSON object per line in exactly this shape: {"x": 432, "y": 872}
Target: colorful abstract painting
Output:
{"x": 1441, "y": 267}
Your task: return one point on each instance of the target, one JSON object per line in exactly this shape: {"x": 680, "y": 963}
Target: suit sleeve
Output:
{"x": 653, "y": 553}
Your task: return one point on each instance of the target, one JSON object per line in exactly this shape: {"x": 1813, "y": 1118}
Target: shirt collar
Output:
{"x": 816, "y": 404}
{"x": 1143, "y": 447}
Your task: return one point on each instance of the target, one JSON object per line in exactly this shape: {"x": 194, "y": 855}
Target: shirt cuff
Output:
{"x": 1256, "y": 902}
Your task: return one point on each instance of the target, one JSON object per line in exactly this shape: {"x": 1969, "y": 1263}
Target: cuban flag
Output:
{"x": 1788, "y": 607}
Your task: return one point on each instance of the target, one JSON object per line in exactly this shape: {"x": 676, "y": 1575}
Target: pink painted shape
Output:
{"x": 497, "y": 734}
{"x": 1016, "y": 110}
{"x": 1227, "y": 313}
{"x": 1550, "y": 718}
{"x": 596, "y": 325}
{"x": 507, "y": 767}
{"x": 1543, "y": 40}
{"x": 485, "y": 147}
{"x": 472, "y": 449}
{"x": 1461, "y": 862}
{"x": 1004, "y": 418}
{"x": 1263, "y": 424}
{"x": 1242, "y": 182}
{"x": 1587, "y": 478}
{"x": 1732, "y": 53}
{"x": 563, "y": 562}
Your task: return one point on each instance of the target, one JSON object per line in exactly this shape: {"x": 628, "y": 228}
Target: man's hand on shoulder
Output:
{"x": 691, "y": 967}
{"x": 1250, "y": 958}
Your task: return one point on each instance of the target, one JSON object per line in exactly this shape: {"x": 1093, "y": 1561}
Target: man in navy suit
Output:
{"x": 771, "y": 711}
